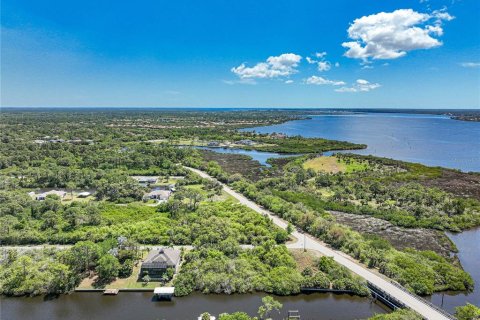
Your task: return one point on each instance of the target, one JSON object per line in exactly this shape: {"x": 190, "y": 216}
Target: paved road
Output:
{"x": 314, "y": 244}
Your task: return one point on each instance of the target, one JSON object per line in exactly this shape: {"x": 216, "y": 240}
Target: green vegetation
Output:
{"x": 334, "y": 164}
{"x": 36, "y": 273}
{"x": 467, "y": 312}
{"x": 298, "y": 144}
{"x": 399, "y": 314}
{"x": 226, "y": 268}
{"x": 384, "y": 188}
{"x": 422, "y": 272}
{"x": 269, "y": 307}
{"x": 51, "y": 221}
{"x": 50, "y": 271}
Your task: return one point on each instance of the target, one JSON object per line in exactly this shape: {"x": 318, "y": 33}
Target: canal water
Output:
{"x": 468, "y": 244}
{"x": 260, "y": 156}
{"x": 139, "y": 305}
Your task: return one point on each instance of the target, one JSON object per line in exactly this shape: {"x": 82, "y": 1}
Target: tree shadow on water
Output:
{"x": 51, "y": 296}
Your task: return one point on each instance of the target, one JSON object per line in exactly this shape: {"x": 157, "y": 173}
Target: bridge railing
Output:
{"x": 433, "y": 306}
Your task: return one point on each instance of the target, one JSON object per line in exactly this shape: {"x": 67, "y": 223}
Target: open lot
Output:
{"x": 332, "y": 164}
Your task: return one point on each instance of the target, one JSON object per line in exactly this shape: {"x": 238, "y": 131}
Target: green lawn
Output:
{"x": 333, "y": 164}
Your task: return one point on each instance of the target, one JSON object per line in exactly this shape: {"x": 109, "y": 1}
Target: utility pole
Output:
{"x": 304, "y": 243}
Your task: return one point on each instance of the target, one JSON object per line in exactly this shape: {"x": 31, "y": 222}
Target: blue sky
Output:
{"x": 250, "y": 53}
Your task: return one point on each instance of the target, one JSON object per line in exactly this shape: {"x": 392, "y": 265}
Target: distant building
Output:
{"x": 56, "y": 141}
{"x": 213, "y": 144}
{"x": 158, "y": 261}
{"x": 43, "y": 196}
{"x": 246, "y": 142}
{"x": 162, "y": 195}
{"x": 278, "y": 136}
{"x": 146, "y": 179}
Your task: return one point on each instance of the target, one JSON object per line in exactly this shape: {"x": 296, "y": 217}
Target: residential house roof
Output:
{"x": 159, "y": 194}
{"x": 162, "y": 258}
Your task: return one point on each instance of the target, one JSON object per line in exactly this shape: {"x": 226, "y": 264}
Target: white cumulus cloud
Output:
{"x": 320, "y": 61}
{"x": 322, "y": 81}
{"x": 390, "y": 35}
{"x": 361, "y": 85}
{"x": 470, "y": 64}
{"x": 324, "y": 65}
{"x": 275, "y": 66}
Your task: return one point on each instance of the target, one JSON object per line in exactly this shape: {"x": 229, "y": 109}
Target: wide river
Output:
{"x": 429, "y": 139}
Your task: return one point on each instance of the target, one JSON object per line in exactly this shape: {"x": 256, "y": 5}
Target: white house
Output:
{"x": 43, "y": 196}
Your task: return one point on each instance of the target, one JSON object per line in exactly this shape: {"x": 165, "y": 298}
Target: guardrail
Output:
{"x": 437, "y": 308}
{"x": 386, "y": 298}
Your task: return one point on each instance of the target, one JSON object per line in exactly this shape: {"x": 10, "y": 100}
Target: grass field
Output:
{"x": 325, "y": 164}
{"x": 334, "y": 165}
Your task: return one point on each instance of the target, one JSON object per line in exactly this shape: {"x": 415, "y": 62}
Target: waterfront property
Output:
{"x": 158, "y": 261}
{"x": 164, "y": 293}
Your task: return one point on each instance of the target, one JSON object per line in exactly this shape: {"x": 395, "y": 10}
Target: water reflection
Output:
{"x": 139, "y": 306}
{"x": 259, "y": 156}
{"x": 467, "y": 243}
{"x": 428, "y": 139}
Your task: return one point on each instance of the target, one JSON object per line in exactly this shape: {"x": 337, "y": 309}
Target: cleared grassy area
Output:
{"x": 222, "y": 197}
{"x": 68, "y": 198}
{"x": 325, "y": 164}
{"x": 333, "y": 164}
{"x": 305, "y": 259}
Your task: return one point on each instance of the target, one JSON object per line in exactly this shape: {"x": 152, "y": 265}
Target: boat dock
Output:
{"x": 163, "y": 293}
{"x": 111, "y": 292}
